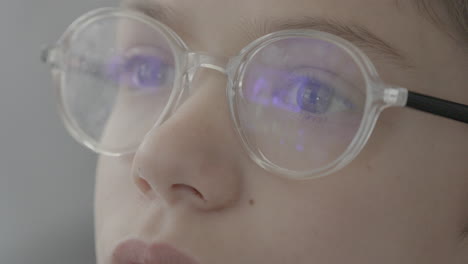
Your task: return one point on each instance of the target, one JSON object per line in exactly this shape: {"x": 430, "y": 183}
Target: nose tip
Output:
{"x": 209, "y": 187}
{"x": 145, "y": 187}
{"x": 187, "y": 188}
{"x": 193, "y": 158}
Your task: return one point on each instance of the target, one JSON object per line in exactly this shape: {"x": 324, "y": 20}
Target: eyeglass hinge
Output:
{"x": 51, "y": 56}
{"x": 395, "y": 96}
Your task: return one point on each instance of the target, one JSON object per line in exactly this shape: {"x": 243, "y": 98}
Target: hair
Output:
{"x": 448, "y": 14}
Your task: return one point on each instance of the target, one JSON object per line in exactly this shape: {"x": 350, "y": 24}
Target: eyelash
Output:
{"x": 327, "y": 91}
{"x": 141, "y": 69}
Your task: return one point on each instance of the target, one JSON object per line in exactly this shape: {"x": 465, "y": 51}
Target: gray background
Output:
{"x": 46, "y": 179}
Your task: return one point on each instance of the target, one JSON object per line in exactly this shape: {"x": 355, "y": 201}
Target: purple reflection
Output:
{"x": 260, "y": 86}
{"x": 300, "y": 147}
{"x": 279, "y": 98}
{"x": 138, "y": 71}
{"x": 147, "y": 71}
{"x": 265, "y": 94}
{"x": 114, "y": 68}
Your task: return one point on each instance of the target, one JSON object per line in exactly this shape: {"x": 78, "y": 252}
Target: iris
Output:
{"x": 138, "y": 71}
{"x": 146, "y": 71}
{"x": 313, "y": 96}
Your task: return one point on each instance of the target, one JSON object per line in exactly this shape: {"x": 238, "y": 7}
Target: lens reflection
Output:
{"x": 118, "y": 80}
{"x": 301, "y": 103}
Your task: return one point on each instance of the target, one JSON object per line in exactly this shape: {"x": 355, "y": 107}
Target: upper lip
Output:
{"x": 138, "y": 252}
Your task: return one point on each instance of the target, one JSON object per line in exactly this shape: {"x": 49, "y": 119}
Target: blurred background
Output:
{"x": 46, "y": 179}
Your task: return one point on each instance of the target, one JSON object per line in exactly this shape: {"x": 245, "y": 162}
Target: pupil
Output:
{"x": 313, "y": 96}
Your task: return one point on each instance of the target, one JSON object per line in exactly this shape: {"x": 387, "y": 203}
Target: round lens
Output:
{"x": 301, "y": 103}
{"x": 117, "y": 81}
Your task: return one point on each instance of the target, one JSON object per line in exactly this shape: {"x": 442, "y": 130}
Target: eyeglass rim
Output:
{"x": 375, "y": 100}
{"x": 81, "y": 22}
{"x": 375, "y": 89}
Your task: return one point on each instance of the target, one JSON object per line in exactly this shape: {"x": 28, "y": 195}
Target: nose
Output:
{"x": 193, "y": 157}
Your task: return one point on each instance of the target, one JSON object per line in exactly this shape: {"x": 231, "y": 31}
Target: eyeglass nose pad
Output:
{"x": 202, "y": 60}
{"x": 194, "y": 61}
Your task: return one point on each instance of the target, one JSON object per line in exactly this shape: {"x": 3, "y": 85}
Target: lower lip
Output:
{"x": 138, "y": 252}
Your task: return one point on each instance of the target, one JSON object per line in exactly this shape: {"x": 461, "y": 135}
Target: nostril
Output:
{"x": 142, "y": 184}
{"x": 188, "y": 188}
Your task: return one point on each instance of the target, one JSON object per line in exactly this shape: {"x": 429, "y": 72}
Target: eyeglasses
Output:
{"x": 304, "y": 102}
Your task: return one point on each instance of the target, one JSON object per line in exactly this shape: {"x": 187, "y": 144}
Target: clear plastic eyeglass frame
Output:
{"x": 379, "y": 95}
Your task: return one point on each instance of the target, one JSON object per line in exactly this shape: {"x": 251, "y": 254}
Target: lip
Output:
{"x": 138, "y": 252}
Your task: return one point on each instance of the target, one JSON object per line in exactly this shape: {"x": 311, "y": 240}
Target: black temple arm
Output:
{"x": 438, "y": 106}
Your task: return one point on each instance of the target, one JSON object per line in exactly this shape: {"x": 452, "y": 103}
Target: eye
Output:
{"x": 312, "y": 95}
{"x": 146, "y": 71}
{"x": 314, "y": 91}
{"x": 142, "y": 70}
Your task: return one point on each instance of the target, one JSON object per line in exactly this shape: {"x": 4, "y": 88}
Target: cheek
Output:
{"x": 324, "y": 218}
{"x": 118, "y": 204}
{"x": 111, "y": 179}
{"x": 354, "y": 215}
{"x": 131, "y": 118}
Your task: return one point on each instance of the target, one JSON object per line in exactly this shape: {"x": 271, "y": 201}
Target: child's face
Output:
{"x": 402, "y": 200}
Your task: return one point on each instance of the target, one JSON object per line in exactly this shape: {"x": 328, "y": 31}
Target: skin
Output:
{"x": 402, "y": 200}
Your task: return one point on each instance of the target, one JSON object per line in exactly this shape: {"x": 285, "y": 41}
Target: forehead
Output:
{"x": 225, "y": 26}
{"x": 226, "y": 13}
{"x": 276, "y": 6}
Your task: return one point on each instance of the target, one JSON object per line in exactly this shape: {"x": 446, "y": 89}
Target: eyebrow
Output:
{"x": 152, "y": 9}
{"x": 357, "y": 34}
{"x": 255, "y": 28}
